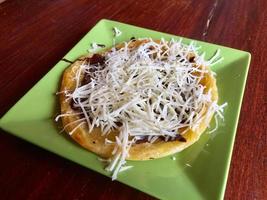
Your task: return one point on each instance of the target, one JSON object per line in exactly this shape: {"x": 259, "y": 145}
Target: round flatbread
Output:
{"x": 95, "y": 140}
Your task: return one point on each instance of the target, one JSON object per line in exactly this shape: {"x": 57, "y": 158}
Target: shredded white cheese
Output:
{"x": 117, "y": 32}
{"x": 95, "y": 47}
{"x": 153, "y": 90}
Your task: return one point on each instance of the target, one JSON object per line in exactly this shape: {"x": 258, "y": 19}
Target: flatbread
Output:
{"x": 95, "y": 142}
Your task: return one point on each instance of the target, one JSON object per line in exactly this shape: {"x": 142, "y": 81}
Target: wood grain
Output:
{"x": 36, "y": 34}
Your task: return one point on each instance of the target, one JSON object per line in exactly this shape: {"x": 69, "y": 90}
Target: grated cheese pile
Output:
{"x": 153, "y": 91}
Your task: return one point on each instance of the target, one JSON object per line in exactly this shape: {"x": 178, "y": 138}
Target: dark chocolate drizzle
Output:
{"x": 178, "y": 137}
{"x": 96, "y": 59}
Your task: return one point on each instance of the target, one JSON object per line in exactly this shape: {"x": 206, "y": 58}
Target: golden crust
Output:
{"x": 144, "y": 151}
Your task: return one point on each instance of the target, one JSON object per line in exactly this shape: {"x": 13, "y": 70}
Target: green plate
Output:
{"x": 199, "y": 172}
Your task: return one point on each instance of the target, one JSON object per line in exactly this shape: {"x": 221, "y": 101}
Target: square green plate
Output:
{"x": 199, "y": 172}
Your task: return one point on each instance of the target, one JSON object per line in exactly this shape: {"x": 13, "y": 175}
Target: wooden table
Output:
{"x": 34, "y": 35}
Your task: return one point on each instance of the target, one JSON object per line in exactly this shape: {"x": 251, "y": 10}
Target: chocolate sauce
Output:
{"x": 178, "y": 137}
{"x": 73, "y": 107}
{"x": 96, "y": 59}
{"x": 86, "y": 79}
{"x": 192, "y": 59}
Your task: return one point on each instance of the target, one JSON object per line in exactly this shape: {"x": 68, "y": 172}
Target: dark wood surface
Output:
{"x": 34, "y": 35}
